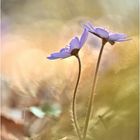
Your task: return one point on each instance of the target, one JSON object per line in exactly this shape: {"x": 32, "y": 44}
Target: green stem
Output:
{"x": 74, "y": 101}
{"x": 93, "y": 91}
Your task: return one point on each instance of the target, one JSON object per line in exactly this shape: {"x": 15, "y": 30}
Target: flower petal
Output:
{"x": 117, "y": 36}
{"x": 98, "y": 31}
{"x": 122, "y": 40}
{"x": 103, "y": 33}
{"x": 74, "y": 44}
{"x": 89, "y": 27}
{"x": 66, "y": 49}
{"x": 83, "y": 38}
{"x": 58, "y": 55}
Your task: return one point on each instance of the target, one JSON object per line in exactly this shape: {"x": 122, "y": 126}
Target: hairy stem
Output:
{"x": 74, "y": 101}
{"x": 93, "y": 91}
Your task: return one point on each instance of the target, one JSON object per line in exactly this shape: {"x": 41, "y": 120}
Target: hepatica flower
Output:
{"x": 72, "y": 49}
{"x": 106, "y": 35}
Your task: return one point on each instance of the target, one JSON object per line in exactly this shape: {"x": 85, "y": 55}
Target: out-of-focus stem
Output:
{"x": 91, "y": 99}
{"x": 74, "y": 101}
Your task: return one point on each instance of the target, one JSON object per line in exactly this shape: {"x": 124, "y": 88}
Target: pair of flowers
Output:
{"x": 72, "y": 50}
{"x": 76, "y": 43}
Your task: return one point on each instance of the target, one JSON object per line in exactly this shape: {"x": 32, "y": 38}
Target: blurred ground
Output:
{"x": 36, "y": 93}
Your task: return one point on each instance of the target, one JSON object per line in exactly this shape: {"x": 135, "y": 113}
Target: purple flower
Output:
{"x": 72, "y": 49}
{"x": 105, "y": 34}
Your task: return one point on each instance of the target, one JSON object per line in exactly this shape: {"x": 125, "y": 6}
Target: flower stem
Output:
{"x": 93, "y": 91}
{"x": 74, "y": 100}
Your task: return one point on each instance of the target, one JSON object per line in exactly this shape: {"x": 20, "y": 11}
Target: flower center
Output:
{"x": 74, "y": 52}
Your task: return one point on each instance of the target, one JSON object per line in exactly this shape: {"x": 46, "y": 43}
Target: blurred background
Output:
{"x": 37, "y": 93}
